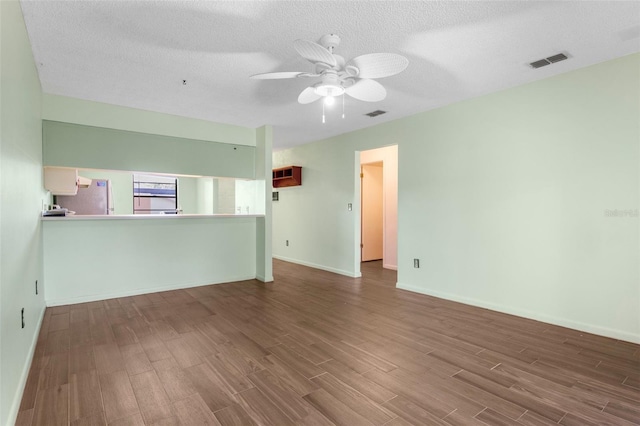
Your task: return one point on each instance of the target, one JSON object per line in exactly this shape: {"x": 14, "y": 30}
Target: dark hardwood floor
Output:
{"x": 316, "y": 348}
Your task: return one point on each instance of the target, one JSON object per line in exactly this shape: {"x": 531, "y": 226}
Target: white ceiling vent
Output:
{"x": 548, "y": 61}
{"x": 376, "y": 113}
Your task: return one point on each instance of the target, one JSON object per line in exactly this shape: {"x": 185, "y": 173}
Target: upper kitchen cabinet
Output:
{"x": 63, "y": 181}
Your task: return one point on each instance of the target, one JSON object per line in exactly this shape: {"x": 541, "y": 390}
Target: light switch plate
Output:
{"x": 350, "y": 206}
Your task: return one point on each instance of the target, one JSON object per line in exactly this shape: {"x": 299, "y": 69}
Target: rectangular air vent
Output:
{"x": 557, "y": 58}
{"x": 548, "y": 61}
{"x": 376, "y": 113}
{"x": 540, "y": 63}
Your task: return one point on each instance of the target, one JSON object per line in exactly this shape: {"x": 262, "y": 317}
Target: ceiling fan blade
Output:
{"x": 313, "y": 52}
{"x": 378, "y": 65}
{"x": 308, "y": 95}
{"x": 277, "y": 75}
{"x": 367, "y": 90}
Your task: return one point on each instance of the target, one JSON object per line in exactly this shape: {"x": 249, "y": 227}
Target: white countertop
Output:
{"x": 146, "y": 216}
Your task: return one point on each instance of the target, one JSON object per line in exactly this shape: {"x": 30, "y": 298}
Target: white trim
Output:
{"x": 389, "y": 266}
{"x": 562, "y": 322}
{"x": 72, "y": 218}
{"x": 136, "y": 292}
{"x": 316, "y": 266}
{"x": 17, "y": 400}
{"x": 263, "y": 279}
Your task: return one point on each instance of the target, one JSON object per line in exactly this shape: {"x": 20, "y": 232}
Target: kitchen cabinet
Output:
{"x": 61, "y": 181}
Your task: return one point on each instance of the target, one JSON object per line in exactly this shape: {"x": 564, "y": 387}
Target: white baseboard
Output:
{"x": 390, "y": 266}
{"x": 136, "y": 292}
{"x": 316, "y": 266}
{"x": 17, "y": 400}
{"x": 264, "y": 279}
{"x": 562, "y": 322}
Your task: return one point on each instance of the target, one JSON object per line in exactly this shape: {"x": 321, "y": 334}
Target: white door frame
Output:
{"x": 356, "y": 210}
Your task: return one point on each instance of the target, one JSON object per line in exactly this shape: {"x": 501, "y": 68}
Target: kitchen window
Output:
{"x": 155, "y": 194}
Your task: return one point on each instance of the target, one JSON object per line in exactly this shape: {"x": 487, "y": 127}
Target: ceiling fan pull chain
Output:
{"x": 323, "y": 113}
{"x": 343, "y": 105}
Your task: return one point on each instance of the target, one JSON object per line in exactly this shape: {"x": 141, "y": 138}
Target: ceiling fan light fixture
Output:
{"x": 329, "y": 100}
{"x": 328, "y": 89}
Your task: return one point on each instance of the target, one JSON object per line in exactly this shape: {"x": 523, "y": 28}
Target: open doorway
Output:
{"x": 371, "y": 212}
{"x": 379, "y": 206}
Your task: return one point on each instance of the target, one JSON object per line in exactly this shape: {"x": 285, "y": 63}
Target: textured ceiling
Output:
{"x": 136, "y": 53}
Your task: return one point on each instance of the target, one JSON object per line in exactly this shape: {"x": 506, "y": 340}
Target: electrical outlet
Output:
{"x": 22, "y": 316}
{"x": 350, "y": 206}
{"x": 416, "y": 263}
{"x": 286, "y": 243}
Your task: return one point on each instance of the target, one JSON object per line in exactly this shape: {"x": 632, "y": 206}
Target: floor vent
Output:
{"x": 548, "y": 61}
{"x": 376, "y": 113}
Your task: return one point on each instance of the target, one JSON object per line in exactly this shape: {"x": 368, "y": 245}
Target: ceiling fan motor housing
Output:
{"x": 330, "y": 41}
{"x": 330, "y": 85}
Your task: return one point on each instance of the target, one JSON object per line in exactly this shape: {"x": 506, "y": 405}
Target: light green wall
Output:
{"x": 501, "y": 197}
{"x": 21, "y": 202}
{"x": 107, "y": 258}
{"x": 207, "y": 195}
{"x": 188, "y": 195}
{"x": 74, "y": 145}
{"x": 78, "y": 111}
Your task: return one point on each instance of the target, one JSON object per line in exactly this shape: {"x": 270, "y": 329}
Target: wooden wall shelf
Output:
{"x": 287, "y": 176}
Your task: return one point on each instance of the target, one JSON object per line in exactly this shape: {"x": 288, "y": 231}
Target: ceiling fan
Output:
{"x": 338, "y": 77}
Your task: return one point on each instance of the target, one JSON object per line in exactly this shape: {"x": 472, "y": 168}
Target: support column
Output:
{"x": 264, "y": 260}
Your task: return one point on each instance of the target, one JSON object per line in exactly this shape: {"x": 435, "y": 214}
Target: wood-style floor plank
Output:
{"x": 193, "y": 411}
{"x": 108, "y": 358}
{"x": 261, "y": 409}
{"x": 291, "y": 404}
{"x": 296, "y": 381}
{"x": 55, "y": 370}
{"x": 315, "y": 348}
{"x": 369, "y": 388}
{"x": 151, "y": 397}
{"x": 96, "y": 419}
{"x": 135, "y": 359}
{"x": 84, "y": 395}
{"x": 52, "y": 406}
{"x": 59, "y": 322}
{"x": 296, "y": 361}
{"x": 117, "y": 395}
{"x": 411, "y": 412}
{"x": 376, "y": 414}
{"x": 210, "y": 387}
{"x": 234, "y": 415}
{"x": 335, "y": 410}
{"x": 24, "y": 418}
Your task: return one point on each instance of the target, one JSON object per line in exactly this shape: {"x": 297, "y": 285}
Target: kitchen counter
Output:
{"x": 146, "y": 216}
{"x": 89, "y": 258}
